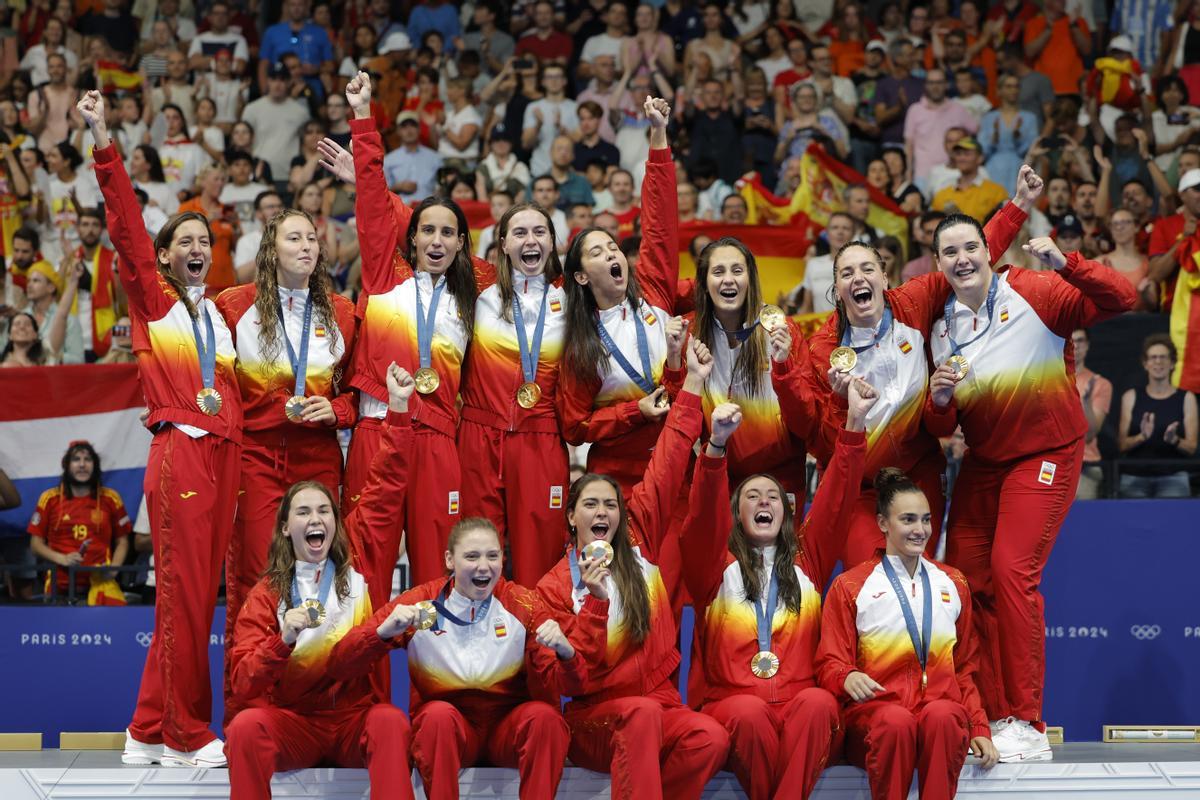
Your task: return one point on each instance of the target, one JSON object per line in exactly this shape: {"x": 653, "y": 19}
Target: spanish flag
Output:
{"x": 105, "y": 591}
{"x": 1185, "y": 327}
{"x": 113, "y": 77}
{"x": 822, "y": 185}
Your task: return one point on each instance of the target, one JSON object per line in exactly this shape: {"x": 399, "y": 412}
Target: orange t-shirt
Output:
{"x": 1059, "y": 61}
{"x": 221, "y": 274}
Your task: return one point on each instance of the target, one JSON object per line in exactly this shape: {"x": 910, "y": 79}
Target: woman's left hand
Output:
{"x": 982, "y": 747}
{"x": 549, "y": 634}
{"x": 317, "y": 408}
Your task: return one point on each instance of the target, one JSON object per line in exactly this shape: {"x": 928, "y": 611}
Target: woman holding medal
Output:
{"x": 514, "y": 465}
{"x": 1006, "y": 377}
{"x": 295, "y": 711}
{"x": 489, "y": 665}
{"x": 417, "y": 308}
{"x": 293, "y": 334}
{"x": 757, "y": 593}
{"x": 897, "y": 648}
{"x": 629, "y": 720}
{"x": 878, "y": 333}
{"x": 185, "y": 360}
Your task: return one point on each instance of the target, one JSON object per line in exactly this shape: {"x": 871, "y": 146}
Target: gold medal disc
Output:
{"x": 764, "y": 664}
{"x": 600, "y": 550}
{"x": 843, "y": 359}
{"x": 960, "y": 365}
{"x": 771, "y": 317}
{"x": 427, "y": 380}
{"x": 663, "y": 400}
{"x": 209, "y": 401}
{"x": 426, "y": 616}
{"x": 528, "y": 395}
{"x": 315, "y": 611}
{"x": 293, "y": 408}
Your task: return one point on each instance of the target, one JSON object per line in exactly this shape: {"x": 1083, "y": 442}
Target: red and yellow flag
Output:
{"x": 778, "y": 250}
{"x": 1185, "y": 327}
{"x": 822, "y": 185}
{"x": 113, "y": 76}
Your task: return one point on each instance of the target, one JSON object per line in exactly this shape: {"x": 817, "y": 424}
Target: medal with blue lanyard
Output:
{"x": 293, "y": 407}
{"x": 769, "y": 317}
{"x": 597, "y": 550}
{"x": 314, "y": 607}
{"x": 765, "y": 663}
{"x": 920, "y": 639}
{"x": 477, "y": 614}
{"x": 529, "y": 392}
{"x": 844, "y": 358}
{"x": 957, "y": 360}
{"x": 208, "y": 399}
{"x": 426, "y": 377}
{"x": 645, "y": 378}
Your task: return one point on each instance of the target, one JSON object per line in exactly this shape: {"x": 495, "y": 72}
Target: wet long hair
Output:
{"x": 585, "y": 355}
{"x": 281, "y": 556}
{"x": 843, "y": 321}
{"x": 163, "y": 242}
{"x": 460, "y": 275}
{"x": 751, "y": 359}
{"x": 504, "y": 267}
{"x": 627, "y": 575}
{"x": 93, "y": 483}
{"x": 786, "y": 548}
{"x": 266, "y": 300}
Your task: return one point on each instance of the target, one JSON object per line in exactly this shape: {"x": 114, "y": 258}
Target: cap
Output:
{"x": 877, "y": 44}
{"x": 395, "y": 42}
{"x": 48, "y": 272}
{"x": 1122, "y": 43}
{"x": 499, "y": 134}
{"x": 279, "y": 72}
{"x": 1069, "y": 225}
{"x": 1190, "y": 180}
{"x": 966, "y": 143}
{"x": 407, "y": 116}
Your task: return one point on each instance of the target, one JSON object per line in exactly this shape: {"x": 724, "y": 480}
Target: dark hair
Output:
{"x": 545, "y": 177}
{"x": 263, "y": 195}
{"x": 281, "y": 555}
{"x": 1163, "y": 339}
{"x": 692, "y": 250}
{"x": 28, "y": 234}
{"x": 1166, "y": 82}
{"x": 36, "y": 352}
{"x": 92, "y": 213}
{"x": 163, "y": 240}
{"x": 890, "y": 482}
{"x": 631, "y": 246}
{"x": 751, "y": 360}
{"x": 786, "y": 547}
{"x": 155, "y": 161}
{"x": 504, "y": 268}
{"x": 843, "y": 321}
{"x": 173, "y": 107}
{"x": 626, "y": 574}
{"x": 949, "y": 222}
{"x": 93, "y": 483}
{"x": 232, "y": 156}
{"x": 592, "y": 107}
{"x": 460, "y": 275}
{"x": 584, "y": 355}
{"x": 69, "y": 154}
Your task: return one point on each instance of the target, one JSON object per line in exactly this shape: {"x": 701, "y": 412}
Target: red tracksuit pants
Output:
{"x": 889, "y": 741}
{"x": 531, "y": 737}
{"x": 191, "y": 488}
{"x": 653, "y": 746}
{"x": 779, "y": 749}
{"x": 263, "y": 741}
{"x": 431, "y": 506}
{"x": 864, "y": 538}
{"x": 519, "y": 481}
{"x": 1004, "y": 519}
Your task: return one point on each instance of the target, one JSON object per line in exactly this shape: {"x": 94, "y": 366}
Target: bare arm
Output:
{"x": 1191, "y": 434}
{"x": 1126, "y": 442}
{"x": 9, "y": 496}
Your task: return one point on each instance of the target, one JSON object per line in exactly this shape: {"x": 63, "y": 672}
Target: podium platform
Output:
{"x": 1080, "y": 771}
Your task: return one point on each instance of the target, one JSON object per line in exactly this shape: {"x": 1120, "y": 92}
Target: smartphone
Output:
{"x": 1177, "y": 119}
{"x": 523, "y": 63}
{"x": 120, "y": 330}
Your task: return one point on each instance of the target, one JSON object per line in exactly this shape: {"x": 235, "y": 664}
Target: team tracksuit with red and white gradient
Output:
{"x": 295, "y": 709}
{"x": 905, "y": 726}
{"x": 388, "y": 332}
{"x": 1023, "y": 422}
{"x": 629, "y": 719}
{"x": 514, "y": 464}
{"x": 781, "y": 728}
{"x": 898, "y": 368}
{"x": 277, "y": 452}
{"x": 191, "y": 473}
{"x": 481, "y": 690}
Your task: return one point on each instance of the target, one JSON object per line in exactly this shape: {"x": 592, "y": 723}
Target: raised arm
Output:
{"x": 1087, "y": 293}
{"x": 705, "y": 534}
{"x": 790, "y": 363}
{"x": 658, "y": 256}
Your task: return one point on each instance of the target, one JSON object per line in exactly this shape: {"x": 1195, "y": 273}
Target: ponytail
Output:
{"x": 891, "y": 482}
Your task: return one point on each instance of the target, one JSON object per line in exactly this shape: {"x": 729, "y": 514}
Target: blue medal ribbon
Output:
{"x": 529, "y": 355}
{"x": 299, "y": 365}
{"x": 425, "y": 324}
{"x": 885, "y": 325}
{"x": 644, "y": 380}
{"x": 442, "y": 613}
{"x": 208, "y": 354}
{"x": 955, "y": 347}
{"x": 765, "y": 615}
{"x": 922, "y": 639}
{"x": 573, "y": 563}
{"x": 322, "y": 589}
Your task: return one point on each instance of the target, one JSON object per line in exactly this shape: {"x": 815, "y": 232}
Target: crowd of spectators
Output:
{"x": 235, "y": 108}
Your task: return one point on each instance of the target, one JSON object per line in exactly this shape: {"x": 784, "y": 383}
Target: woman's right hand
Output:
{"x": 400, "y": 386}
{"x": 676, "y": 330}
{"x": 593, "y": 573}
{"x": 358, "y": 95}
{"x": 401, "y": 619}
{"x": 91, "y": 108}
{"x": 941, "y": 385}
{"x": 861, "y": 686}
{"x": 1146, "y": 425}
{"x": 294, "y": 621}
{"x": 726, "y": 418}
{"x": 649, "y": 406}
{"x": 780, "y": 343}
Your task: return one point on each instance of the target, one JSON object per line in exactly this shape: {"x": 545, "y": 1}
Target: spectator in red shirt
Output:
{"x": 548, "y": 44}
{"x": 80, "y": 522}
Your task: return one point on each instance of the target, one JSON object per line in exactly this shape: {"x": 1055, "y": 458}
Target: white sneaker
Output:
{"x": 140, "y": 754}
{"x": 1018, "y": 741}
{"x": 1000, "y": 724}
{"x": 211, "y": 755}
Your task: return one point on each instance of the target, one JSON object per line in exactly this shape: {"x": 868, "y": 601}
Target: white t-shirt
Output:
{"x": 247, "y": 248}
{"x": 818, "y": 282}
{"x": 210, "y": 44}
{"x": 567, "y": 120}
{"x": 161, "y": 196}
{"x": 35, "y": 61}
{"x": 275, "y": 127}
{"x": 242, "y": 199}
{"x": 226, "y": 95}
{"x": 455, "y": 122}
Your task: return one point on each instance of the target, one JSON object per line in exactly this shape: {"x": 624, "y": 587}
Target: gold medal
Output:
{"x": 764, "y": 664}
{"x": 663, "y": 400}
{"x": 960, "y": 365}
{"x": 599, "y": 550}
{"x": 293, "y": 408}
{"x": 771, "y": 317}
{"x": 315, "y": 611}
{"x": 427, "y": 380}
{"x": 529, "y": 394}
{"x": 209, "y": 401}
{"x": 426, "y": 616}
{"x": 843, "y": 359}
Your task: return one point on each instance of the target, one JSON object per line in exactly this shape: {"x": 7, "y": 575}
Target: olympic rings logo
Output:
{"x": 1145, "y": 633}
{"x": 144, "y": 638}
